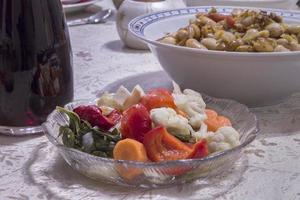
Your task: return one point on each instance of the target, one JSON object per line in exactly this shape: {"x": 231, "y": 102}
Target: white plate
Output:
{"x": 78, "y": 6}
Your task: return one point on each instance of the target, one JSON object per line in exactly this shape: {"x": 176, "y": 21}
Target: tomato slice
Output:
{"x": 136, "y": 122}
{"x": 161, "y": 146}
{"x": 114, "y": 116}
{"x": 158, "y": 98}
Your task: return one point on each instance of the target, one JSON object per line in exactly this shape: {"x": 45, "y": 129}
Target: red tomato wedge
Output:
{"x": 158, "y": 98}
{"x": 136, "y": 122}
{"x": 161, "y": 146}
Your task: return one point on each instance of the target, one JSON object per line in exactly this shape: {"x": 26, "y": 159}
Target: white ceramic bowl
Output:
{"x": 255, "y": 79}
{"x": 283, "y": 4}
{"x": 74, "y": 7}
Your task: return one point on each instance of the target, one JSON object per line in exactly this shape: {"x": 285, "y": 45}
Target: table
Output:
{"x": 30, "y": 168}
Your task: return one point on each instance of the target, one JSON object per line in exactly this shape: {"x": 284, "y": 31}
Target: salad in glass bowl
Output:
{"x": 153, "y": 138}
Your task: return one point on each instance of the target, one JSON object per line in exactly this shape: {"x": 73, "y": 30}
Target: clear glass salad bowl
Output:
{"x": 157, "y": 174}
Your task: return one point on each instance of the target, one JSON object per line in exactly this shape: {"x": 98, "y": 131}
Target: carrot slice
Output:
{"x": 129, "y": 149}
{"x": 214, "y": 122}
{"x": 182, "y": 113}
{"x": 211, "y": 113}
{"x": 158, "y": 98}
{"x": 224, "y": 121}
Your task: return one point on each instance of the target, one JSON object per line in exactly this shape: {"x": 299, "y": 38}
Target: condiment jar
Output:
{"x": 130, "y": 9}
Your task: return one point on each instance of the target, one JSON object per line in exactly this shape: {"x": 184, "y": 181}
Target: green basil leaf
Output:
{"x": 68, "y": 136}
{"x": 85, "y": 127}
{"x": 100, "y": 144}
{"x": 99, "y": 154}
{"x": 73, "y": 117}
{"x": 108, "y": 136}
{"x": 72, "y": 136}
{"x": 115, "y": 131}
{"x": 183, "y": 138}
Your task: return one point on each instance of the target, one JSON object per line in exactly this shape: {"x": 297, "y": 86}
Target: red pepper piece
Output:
{"x": 200, "y": 150}
{"x": 161, "y": 146}
{"x": 219, "y": 17}
{"x": 230, "y": 21}
{"x": 93, "y": 114}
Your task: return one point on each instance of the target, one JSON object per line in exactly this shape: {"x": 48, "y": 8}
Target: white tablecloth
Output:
{"x": 30, "y": 168}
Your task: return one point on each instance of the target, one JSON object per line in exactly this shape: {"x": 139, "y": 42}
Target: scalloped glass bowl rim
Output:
{"x": 210, "y": 52}
{"x": 214, "y": 156}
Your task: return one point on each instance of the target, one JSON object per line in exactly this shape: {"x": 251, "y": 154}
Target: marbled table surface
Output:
{"x": 30, "y": 168}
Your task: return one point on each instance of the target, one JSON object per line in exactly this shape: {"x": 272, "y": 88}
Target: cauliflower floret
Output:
{"x": 107, "y": 99}
{"x": 223, "y": 139}
{"x": 192, "y": 104}
{"x": 106, "y": 110}
{"x": 199, "y": 134}
{"x": 122, "y": 99}
{"x": 134, "y": 98}
{"x": 197, "y": 120}
{"x": 175, "y": 124}
{"x": 121, "y": 95}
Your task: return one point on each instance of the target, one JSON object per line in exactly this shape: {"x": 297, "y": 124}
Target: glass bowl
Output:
{"x": 167, "y": 173}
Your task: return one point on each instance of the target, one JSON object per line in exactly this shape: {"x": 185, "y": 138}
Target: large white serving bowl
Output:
{"x": 282, "y": 4}
{"x": 69, "y": 8}
{"x": 255, "y": 79}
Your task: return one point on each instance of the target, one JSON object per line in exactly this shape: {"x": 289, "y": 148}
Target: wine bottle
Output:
{"x": 36, "y": 71}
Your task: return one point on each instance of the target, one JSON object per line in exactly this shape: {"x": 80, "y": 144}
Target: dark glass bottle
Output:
{"x": 35, "y": 62}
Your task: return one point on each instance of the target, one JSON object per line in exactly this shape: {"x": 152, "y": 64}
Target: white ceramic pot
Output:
{"x": 133, "y": 8}
{"x": 117, "y": 3}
